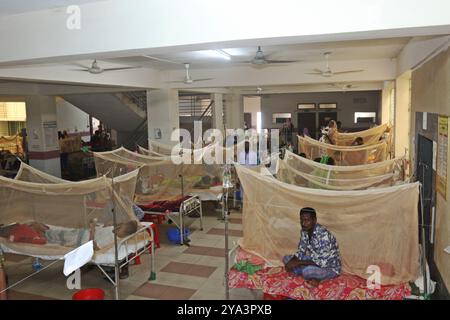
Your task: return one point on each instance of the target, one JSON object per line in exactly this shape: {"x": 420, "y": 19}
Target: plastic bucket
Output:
{"x": 173, "y": 234}
{"x": 89, "y": 294}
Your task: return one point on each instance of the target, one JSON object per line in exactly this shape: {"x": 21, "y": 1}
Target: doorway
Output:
{"x": 425, "y": 177}
{"x": 307, "y": 120}
{"x": 325, "y": 117}
{"x": 248, "y": 120}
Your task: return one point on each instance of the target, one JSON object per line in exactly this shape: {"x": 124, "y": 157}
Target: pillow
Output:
{"x": 104, "y": 236}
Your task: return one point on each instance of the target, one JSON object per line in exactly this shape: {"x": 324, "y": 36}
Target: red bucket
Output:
{"x": 89, "y": 294}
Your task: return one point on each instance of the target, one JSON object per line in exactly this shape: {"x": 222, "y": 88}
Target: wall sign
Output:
{"x": 441, "y": 177}
{"x": 50, "y": 134}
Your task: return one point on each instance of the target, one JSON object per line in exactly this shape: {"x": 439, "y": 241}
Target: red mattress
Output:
{"x": 277, "y": 282}
{"x": 163, "y": 206}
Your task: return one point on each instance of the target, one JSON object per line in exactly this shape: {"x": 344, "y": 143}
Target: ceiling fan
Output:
{"x": 187, "y": 77}
{"x": 96, "y": 69}
{"x": 327, "y": 72}
{"x": 260, "y": 59}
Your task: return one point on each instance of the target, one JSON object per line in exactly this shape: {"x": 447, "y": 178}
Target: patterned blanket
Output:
{"x": 277, "y": 282}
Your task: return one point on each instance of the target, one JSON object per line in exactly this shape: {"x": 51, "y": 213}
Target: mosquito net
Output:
{"x": 65, "y": 208}
{"x": 158, "y": 149}
{"x": 30, "y": 174}
{"x": 377, "y": 227}
{"x": 124, "y": 185}
{"x": 343, "y": 155}
{"x": 160, "y": 178}
{"x": 149, "y": 152}
{"x": 370, "y": 136}
{"x": 12, "y": 144}
{"x": 303, "y": 172}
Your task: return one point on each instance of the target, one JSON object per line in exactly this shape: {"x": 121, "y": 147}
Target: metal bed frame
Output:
{"x": 191, "y": 205}
{"x": 149, "y": 244}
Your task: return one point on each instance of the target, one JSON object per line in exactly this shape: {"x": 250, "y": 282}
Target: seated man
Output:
{"x": 318, "y": 256}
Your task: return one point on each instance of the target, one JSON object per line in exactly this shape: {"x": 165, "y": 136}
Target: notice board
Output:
{"x": 442, "y": 153}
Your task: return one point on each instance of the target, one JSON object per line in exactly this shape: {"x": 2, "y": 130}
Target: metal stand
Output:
{"x": 182, "y": 241}
{"x": 116, "y": 253}
{"x": 424, "y": 255}
{"x": 225, "y": 215}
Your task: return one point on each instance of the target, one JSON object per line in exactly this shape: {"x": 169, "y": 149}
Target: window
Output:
{"x": 327, "y": 105}
{"x": 302, "y": 106}
{"x": 365, "y": 117}
{"x": 280, "y": 117}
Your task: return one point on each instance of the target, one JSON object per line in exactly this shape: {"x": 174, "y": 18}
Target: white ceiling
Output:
{"x": 10, "y": 7}
{"x": 309, "y": 52}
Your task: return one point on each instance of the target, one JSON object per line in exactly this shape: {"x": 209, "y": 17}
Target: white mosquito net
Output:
{"x": 160, "y": 178}
{"x": 369, "y": 136}
{"x": 376, "y": 227}
{"x": 64, "y": 206}
{"x": 30, "y": 174}
{"x": 343, "y": 155}
{"x": 12, "y": 144}
{"x": 303, "y": 172}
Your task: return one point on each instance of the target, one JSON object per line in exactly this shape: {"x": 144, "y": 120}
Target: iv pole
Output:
{"x": 424, "y": 256}
{"x": 225, "y": 217}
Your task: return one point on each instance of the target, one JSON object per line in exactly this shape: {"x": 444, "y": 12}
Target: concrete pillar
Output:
{"x": 163, "y": 114}
{"x": 386, "y": 102}
{"x": 217, "y": 114}
{"x": 234, "y": 111}
{"x": 43, "y": 145}
{"x": 402, "y": 114}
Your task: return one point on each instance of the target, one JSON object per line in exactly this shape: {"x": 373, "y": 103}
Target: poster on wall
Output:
{"x": 441, "y": 177}
{"x": 50, "y": 134}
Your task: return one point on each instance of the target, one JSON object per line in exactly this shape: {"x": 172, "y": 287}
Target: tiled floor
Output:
{"x": 182, "y": 272}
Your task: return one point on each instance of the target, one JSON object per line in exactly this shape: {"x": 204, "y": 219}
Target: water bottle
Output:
{"x": 227, "y": 177}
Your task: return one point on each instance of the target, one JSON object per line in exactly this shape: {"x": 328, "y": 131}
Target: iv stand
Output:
{"x": 424, "y": 256}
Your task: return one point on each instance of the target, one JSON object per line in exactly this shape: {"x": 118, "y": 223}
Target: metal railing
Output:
{"x": 194, "y": 105}
{"x": 139, "y": 98}
{"x": 139, "y": 136}
{"x": 208, "y": 111}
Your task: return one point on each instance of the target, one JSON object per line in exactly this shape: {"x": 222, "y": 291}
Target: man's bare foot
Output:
{"x": 313, "y": 282}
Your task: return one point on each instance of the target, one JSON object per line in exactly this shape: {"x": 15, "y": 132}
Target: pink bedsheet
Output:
{"x": 277, "y": 282}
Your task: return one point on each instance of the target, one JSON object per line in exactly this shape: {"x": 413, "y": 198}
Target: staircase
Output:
{"x": 196, "y": 107}
{"x": 125, "y": 112}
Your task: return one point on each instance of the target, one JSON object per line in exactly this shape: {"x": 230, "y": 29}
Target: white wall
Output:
{"x": 153, "y": 26}
{"x": 71, "y": 119}
{"x": 402, "y": 115}
{"x": 386, "y": 99}
{"x": 417, "y": 50}
{"x": 234, "y": 104}
{"x": 163, "y": 114}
